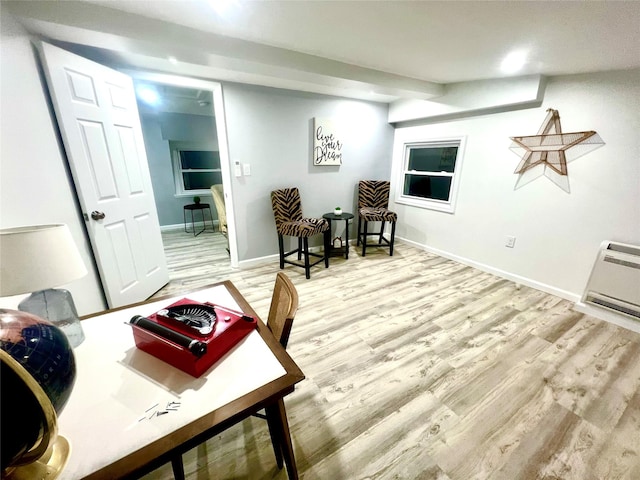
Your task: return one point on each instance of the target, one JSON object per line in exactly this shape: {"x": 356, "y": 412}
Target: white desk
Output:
{"x": 111, "y": 418}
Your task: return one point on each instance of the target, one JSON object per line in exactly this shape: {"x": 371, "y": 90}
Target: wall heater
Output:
{"x": 614, "y": 283}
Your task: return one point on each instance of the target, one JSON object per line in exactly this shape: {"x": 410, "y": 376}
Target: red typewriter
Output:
{"x": 189, "y": 335}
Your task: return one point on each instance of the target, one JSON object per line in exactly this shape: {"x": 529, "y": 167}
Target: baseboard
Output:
{"x": 180, "y": 226}
{"x": 608, "y": 316}
{"x": 496, "y": 271}
{"x": 256, "y": 262}
{"x": 169, "y": 228}
{"x": 600, "y": 313}
{"x": 259, "y": 261}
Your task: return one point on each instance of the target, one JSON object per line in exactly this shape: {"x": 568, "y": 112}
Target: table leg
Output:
{"x": 327, "y": 248}
{"x": 193, "y": 224}
{"x": 274, "y": 431}
{"x": 213, "y": 229}
{"x": 346, "y": 239}
{"x": 178, "y": 467}
{"x": 278, "y": 416}
{"x": 329, "y": 245}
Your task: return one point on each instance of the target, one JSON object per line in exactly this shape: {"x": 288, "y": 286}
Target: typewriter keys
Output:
{"x": 199, "y": 318}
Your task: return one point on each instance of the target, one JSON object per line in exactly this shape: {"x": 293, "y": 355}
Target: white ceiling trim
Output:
{"x": 138, "y": 42}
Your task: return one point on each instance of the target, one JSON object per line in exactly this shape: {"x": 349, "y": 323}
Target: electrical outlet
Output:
{"x": 511, "y": 242}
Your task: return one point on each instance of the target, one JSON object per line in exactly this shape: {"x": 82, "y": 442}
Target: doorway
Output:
{"x": 179, "y": 114}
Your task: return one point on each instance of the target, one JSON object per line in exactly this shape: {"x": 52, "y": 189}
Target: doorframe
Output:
{"x": 221, "y": 131}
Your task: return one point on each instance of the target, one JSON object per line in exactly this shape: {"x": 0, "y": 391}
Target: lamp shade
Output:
{"x": 37, "y": 257}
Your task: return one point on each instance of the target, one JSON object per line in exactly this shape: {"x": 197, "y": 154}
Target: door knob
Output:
{"x": 97, "y": 215}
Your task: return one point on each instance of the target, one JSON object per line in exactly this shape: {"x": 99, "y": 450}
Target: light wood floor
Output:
{"x": 418, "y": 367}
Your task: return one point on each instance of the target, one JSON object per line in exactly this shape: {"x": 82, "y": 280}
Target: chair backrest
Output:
{"x": 373, "y": 193}
{"x": 284, "y": 304}
{"x": 286, "y": 205}
{"x": 218, "y": 200}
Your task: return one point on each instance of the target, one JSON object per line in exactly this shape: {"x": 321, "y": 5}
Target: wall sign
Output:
{"x": 327, "y": 146}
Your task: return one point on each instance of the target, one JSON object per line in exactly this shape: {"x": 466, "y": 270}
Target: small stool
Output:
{"x": 197, "y": 206}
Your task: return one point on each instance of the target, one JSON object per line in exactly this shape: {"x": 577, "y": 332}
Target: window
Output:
{"x": 195, "y": 168}
{"x": 430, "y": 173}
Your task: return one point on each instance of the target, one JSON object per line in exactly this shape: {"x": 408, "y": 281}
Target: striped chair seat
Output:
{"x": 305, "y": 227}
{"x": 372, "y": 214}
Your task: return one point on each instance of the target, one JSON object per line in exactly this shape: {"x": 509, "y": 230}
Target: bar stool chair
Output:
{"x": 287, "y": 210}
{"x": 373, "y": 203}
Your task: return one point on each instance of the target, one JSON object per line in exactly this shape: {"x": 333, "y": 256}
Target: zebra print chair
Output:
{"x": 287, "y": 210}
{"x": 373, "y": 203}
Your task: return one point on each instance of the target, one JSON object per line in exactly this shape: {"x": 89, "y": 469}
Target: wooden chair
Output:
{"x": 284, "y": 305}
{"x": 373, "y": 203}
{"x": 287, "y": 210}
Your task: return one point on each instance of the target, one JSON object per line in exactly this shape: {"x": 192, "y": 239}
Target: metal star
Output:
{"x": 550, "y": 149}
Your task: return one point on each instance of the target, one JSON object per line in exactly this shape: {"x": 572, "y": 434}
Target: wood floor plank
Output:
{"x": 556, "y": 448}
{"x": 394, "y": 444}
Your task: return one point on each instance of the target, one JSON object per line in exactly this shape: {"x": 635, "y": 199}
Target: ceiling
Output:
{"x": 173, "y": 99}
{"x": 377, "y": 50}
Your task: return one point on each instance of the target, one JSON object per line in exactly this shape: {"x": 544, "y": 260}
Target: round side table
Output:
{"x": 197, "y": 206}
{"x": 344, "y": 250}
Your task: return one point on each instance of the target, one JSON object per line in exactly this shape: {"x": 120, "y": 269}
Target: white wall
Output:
{"x": 558, "y": 233}
{"x": 35, "y": 187}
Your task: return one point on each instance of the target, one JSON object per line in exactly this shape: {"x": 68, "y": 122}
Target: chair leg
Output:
{"x": 178, "y": 467}
{"x": 307, "y": 268}
{"x": 381, "y": 233}
{"x": 281, "y": 247}
{"x": 364, "y": 239}
{"x": 393, "y": 236}
{"x": 300, "y": 248}
{"x": 358, "y": 240}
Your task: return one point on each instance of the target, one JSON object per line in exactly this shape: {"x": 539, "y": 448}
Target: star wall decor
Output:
{"x": 548, "y": 152}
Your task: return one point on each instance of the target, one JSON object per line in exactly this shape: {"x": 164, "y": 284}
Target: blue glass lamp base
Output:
{"x": 56, "y": 305}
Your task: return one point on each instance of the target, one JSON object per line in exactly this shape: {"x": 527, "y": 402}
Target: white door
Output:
{"x": 98, "y": 118}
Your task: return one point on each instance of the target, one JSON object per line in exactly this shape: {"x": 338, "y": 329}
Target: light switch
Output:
{"x": 246, "y": 169}
{"x": 237, "y": 171}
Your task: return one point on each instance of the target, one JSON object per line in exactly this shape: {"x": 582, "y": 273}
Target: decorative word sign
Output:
{"x": 327, "y": 148}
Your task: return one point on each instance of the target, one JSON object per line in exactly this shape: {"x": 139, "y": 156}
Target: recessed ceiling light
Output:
{"x": 513, "y": 62}
{"x": 173, "y": 60}
{"x": 148, "y": 95}
{"x": 221, "y": 6}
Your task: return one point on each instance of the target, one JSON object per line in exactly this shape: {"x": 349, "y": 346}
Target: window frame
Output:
{"x": 447, "y": 206}
{"x": 176, "y": 147}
